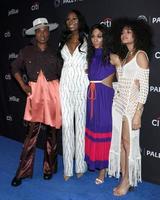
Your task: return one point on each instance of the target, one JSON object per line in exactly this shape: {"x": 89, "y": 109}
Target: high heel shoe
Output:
{"x": 66, "y": 178}
{"x": 79, "y": 175}
{"x": 131, "y": 189}
{"x": 47, "y": 176}
{"x": 121, "y": 192}
{"x": 98, "y": 181}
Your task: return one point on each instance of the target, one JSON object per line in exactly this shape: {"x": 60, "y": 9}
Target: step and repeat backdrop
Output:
{"x": 17, "y": 16}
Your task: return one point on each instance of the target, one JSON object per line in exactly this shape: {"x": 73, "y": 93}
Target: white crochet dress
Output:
{"x": 127, "y": 96}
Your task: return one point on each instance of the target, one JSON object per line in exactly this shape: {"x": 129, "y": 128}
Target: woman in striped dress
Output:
{"x": 73, "y": 90}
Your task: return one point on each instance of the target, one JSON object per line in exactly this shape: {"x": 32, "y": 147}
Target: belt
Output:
{"x": 95, "y": 81}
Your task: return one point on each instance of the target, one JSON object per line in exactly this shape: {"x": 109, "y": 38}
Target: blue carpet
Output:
{"x": 56, "y": 188}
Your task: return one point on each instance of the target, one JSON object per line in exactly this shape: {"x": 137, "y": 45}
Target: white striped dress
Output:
{"x": 73, "y": 91}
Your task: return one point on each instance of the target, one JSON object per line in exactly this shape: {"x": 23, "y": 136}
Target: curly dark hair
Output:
{"x": 105, "y": 44}
{"x": 142, "y": 34}
{"x": 83, "y": 30}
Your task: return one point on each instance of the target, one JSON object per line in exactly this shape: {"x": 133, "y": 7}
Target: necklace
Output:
{"x": 131, "y": 53}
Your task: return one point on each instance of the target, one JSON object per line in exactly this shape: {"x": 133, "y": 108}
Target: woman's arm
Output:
{"x": 143, "y": 78}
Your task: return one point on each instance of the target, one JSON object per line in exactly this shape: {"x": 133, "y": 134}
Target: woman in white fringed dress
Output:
{"x": 131, "y": 94}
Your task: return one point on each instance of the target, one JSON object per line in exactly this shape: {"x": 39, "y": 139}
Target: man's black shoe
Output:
{"x": 16, "y": 182}
{"x": 47, "y": 176}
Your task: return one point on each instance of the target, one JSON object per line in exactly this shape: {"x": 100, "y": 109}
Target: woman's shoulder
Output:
{"x": 142, "y": 59}
{"x": 115, "y": 60}
{"x": 142, "y": 53}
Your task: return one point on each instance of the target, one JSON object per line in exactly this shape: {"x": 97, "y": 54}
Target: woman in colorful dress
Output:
{"x": 134, "y": 38}
{"x": 99, "y": 102}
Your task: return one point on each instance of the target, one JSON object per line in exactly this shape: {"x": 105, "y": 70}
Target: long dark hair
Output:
{"x": 142, "y": 34}
{"x": 105, "y": 43}
{"x": 83, "y": 30}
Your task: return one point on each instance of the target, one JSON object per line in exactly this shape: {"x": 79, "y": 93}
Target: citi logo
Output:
{"x": 156, "y": 122}
{"x": 35, "y": 6}
{"x": 12, "y": 56}
{"x": 7, "y": 34}
{"x": 9, "y": 118}
{"x": 153, "y": 154}
{"x": 13, "y": 12}
{"x": 8, "y": 77}
{"x": 154, "y": 89}
{"x": 156, "y": 20}
{"x": 157, "y": 55}
{"x": 14, "y": 99}
{"x": 107, "y": 22}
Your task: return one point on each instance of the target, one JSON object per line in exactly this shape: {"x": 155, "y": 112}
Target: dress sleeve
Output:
{"x": 18, "y": 63}
{"x": 143, "y": 77}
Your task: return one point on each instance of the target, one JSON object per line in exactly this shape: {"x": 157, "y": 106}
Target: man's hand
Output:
{"x": 26, "y": 88}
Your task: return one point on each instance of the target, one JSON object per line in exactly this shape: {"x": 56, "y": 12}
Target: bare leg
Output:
{"x": 101, "y": 177}
{"x": 122, "y": 164}
{"x": 123, "y": 187}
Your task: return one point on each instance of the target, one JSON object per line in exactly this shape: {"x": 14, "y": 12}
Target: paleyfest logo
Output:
{"x": 142, "y": 17}
{"x": 13, "y": 12}
{"x": 155, "y": 20}
{"x": 58, "y": 3}
{"x": 149, "y": 19}
{"x": 12, "y": 56}
{"x": 154, "y": 89}
{"x": 14, "y": 99}
{"x": 35, "y": 6}
{"x": 9, "y": 118}
{"x": 153, "y": 154}
{"x": 24, "y": 32}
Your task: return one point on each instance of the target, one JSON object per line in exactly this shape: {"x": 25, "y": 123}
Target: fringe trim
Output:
{"x": 134, "y": 168}
{"x": 114, "y": 164}
{"x": 135, "y": 171}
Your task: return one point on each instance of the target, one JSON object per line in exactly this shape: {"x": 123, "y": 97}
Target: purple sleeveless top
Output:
{"x": 99, "y": 70}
